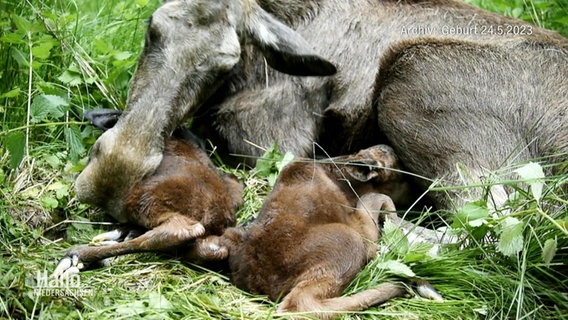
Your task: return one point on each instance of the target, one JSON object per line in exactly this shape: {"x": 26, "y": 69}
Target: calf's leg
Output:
{"x": 175, "y": 230}
{"x": 307, "y": 297}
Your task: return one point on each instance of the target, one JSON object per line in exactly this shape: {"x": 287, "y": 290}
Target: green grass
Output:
{"x": 82, "y": 56}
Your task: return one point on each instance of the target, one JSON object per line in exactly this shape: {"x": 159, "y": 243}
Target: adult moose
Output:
{"x": 441, "y": 81}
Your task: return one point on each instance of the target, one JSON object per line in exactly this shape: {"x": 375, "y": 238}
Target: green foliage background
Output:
{"x": 59, "y": 58}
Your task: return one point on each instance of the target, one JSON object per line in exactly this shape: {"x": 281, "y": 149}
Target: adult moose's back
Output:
{"x": 391, "y": 71}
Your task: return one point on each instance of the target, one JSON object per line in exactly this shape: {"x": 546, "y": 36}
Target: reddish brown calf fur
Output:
{"x": 186, "y": 198}
{"x": 317, "y": 229}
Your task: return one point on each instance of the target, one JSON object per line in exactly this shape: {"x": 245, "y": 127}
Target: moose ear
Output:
{"x": 284, "y": 49}
{"x": 103, "y": 118}
{"x": 363, "y": 170}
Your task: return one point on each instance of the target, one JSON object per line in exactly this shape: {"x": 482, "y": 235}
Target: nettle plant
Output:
{"x": 528, "y": 226}
{"x": 271, "y": 163}
{"x": 529, "y": 232}
{"x": 62, "y": 81}
{"x": 550, "y": 14}
{"x": 51, "y": 75}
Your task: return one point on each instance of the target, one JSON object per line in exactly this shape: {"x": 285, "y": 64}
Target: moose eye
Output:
{"x": 94, "y": 152}
{"x": 152, "y": 34}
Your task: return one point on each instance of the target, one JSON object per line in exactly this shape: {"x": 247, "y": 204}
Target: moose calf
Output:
{"x": 186, "y": 198}
{"x": 316, "y": 230}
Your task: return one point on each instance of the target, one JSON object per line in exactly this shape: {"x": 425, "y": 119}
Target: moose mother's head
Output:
{"x": 190, "y": 47}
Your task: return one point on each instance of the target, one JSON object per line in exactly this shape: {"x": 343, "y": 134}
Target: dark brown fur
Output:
{"x": 186, "y": 183}
{"x": 186, "y": 198}
{"x": 315, "y": 232}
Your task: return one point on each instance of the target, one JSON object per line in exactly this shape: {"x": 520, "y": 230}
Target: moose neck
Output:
{"x": 146, "y": 128}
{"x": 154, "y": 110}
{"x": 151, "y": 115}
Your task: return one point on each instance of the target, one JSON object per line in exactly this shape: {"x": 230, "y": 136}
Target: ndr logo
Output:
{"x": 67, "y": 286}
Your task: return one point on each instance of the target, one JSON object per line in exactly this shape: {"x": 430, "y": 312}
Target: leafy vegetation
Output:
{"x": 543, "y": 13}
{"x": 60, "y": 58}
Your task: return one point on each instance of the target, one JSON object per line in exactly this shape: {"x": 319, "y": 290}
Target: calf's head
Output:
{"x": 376, "y": 170}
{"x": 191, "y": 47}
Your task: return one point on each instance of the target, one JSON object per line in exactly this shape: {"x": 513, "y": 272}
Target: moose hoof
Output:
{"x": 212, "y": 251}
{"x": 68, "y": 266}
{"x": 426, "y": 290}
{"x": 208, "y": 249}
{"x": 114, "y": 237}
{"x": 108, "y": 238}
{"x": 197, "y": 230}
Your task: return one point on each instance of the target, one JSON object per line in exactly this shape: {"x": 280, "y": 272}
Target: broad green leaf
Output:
{"x": 71, "y": 78}
{"x": 394, "y": 238}
{"x": 55, "y": 100}
{"x": 53, "y": 161}
{"x": 511, "y": 237}
{"x": 157, "y": 301}
{"x": 561, "y": 19}
{"x": 49, "y": 203}
{"x": 534, "y": 174}
{"x": 61, "y": 189}
{"x": 102, "y": 46}
{"x": 46, "y": 87}
{"x": 469, "y": 213}
{"x": 549, "y": 250}
{"x": 477, "y": 222}
{"x": 20, "y": 57}
{"x": 31, "y": 193}
{"x": 517, "y": 12}
{"x": 141, "y": 3}
{"x": 418, "y": 251}
{"x": 288, "y": 157}
{"x": 14, "y": 38}
{"x": 11, "y": 94}
{"x": 22, "y": 24}
{"x": 79, "y": 165}
{"x": 15, "y": 142}
{"x": 267, "y": 163}
{"x": 36, "y": 64}
{"x": 73, "y": 138}
{"x": 46, "y": 105}
{"x": 25, "y": 26}
{"x": 42, "y": 50}
{"x": 272, "y": 179}
{"x": 122, "y": 55}
{"x": 130, "y": 309}
{"x": 263, "y": 167}
{"x": 397, "y": 268}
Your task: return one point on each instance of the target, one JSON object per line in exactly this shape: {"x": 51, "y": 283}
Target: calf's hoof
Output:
{"x": 68, "y": 266}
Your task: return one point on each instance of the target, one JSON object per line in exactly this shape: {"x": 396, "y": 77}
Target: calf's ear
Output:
{"x": 362, "y": 170}
{"x": 103, "y": 118}
{"x": 284, "y": 49}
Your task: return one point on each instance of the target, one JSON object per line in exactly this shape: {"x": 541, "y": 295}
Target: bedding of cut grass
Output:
{"x": 59, "y": 58}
